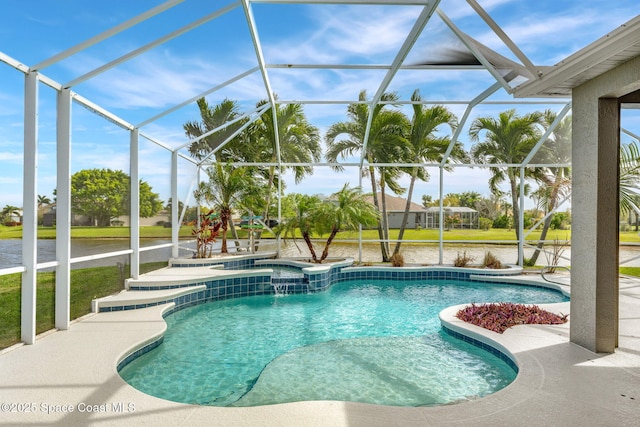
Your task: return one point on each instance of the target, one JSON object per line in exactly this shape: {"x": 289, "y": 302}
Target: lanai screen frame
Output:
{"x": 65, "y": 96}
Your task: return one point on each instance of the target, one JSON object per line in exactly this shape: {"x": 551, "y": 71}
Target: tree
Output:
{"x": 299, "y": 142}
{"x": 346, "y": 209}
{"x": 213, "y": 118}
{"x": 306, "y": 210}
{"x": 9, "y": 211}
{"x": 507, "y": 140}
{"x": 629, "y": 178}
{"x": 555, "y": 181}
{"x": 43, "y": 201}
{"x": 228, "y": 187}
{"x": 103, "y": 194}
{"x": 426, "y": 146}
{"x": 386, "y": 144}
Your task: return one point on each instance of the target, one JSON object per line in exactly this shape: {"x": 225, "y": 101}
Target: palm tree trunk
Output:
{"x": 385, "y": 253}
{"x": 385, "y": 218}
{"x": 225, "y": 216}
{"x": 407, "y": 207}
{"x": 547, "y": 223}
{"x": 515, "y": 208}
{"x": 325, "y": 252}
{"x": 307, "y": 240}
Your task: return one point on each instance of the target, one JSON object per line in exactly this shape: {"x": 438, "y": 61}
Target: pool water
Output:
{"x": 362, "y": 341}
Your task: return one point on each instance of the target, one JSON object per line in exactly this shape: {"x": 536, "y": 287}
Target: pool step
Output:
{"x": 131, "y": 300}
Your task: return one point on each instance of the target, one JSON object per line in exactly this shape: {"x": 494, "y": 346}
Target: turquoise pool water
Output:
{"x": 362, "y": 341}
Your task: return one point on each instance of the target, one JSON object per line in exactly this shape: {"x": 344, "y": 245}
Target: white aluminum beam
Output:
{"x": 30, "y": 217}
{"x": 195, "y": 98}
{"x": 413, "y": 35}
{"x": 253, "y": 30}
{"x": 257, "y": 111}
{"x": 175, "y": 224}
{"x": 262, "y": 110}
{"x": 505, "y": 38}
{"x": 96, "y": 109}
{"x": 134, "y": 213}
{"x": 63, "y": 210}
{"x": 479, "y": 56}
{"x": 363, "y": 2}
{"x": 107, "y": 34}
{"x": 372, "y": 67}
{"x": 546, "y": 135}
{"x": 150, "y": 46}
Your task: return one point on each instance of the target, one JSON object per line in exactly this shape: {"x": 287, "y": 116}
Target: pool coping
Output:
{"x": 558, "y": 382}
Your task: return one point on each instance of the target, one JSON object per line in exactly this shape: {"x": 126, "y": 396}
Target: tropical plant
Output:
{"x": 426, "y": 146}
{"x": 507, "y": 140}
{"x": 345, "y": 210}
{"x": 629, "y": 177}
{"x": 305, "y": 213}
{"x": 386, "y": 144}
{"x": 228, "y": 187}
{"x": 291, "y": 139}
{"x": 555, "y": 181}
{"x": 498, "y": 317}
{"x": 9, "y": 211}
{"x": 213, "y": 117}
{"x": 206, "y": 233}
{"x": 43, "y": 201}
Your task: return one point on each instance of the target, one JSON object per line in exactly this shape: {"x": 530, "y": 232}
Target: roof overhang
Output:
{"x": 605, "y": 54}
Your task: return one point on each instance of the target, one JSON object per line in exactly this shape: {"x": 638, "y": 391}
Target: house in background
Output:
{"x": 461, "y": 217}
{"x": 395, "y": 212}
{"x": 420, "y": 217}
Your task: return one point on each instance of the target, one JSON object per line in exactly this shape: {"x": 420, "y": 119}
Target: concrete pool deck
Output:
{"x": 70, "y": 378}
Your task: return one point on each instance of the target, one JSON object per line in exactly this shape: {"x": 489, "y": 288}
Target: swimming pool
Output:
{"x": 364, "y": 340}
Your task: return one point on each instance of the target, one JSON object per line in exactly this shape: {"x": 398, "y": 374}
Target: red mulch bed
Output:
{"x": 498, "y": 317}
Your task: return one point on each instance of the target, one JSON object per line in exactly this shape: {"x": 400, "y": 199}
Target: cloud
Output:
{"x": 343, "y": 32}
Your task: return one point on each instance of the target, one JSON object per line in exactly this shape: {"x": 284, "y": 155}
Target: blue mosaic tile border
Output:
{"x": 216, "y": 290}
{"x": 512, "y": 364}
{"x": 139, "y": 352}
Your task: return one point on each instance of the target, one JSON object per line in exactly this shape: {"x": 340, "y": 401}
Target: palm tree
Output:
{"x": 427, "y": 147}
{"x": 386, "y": 144}
{"x": 8, "y": 211}
{"x": 43, "y": 201}
{"x": 508, "y": 140}
{"x": 345, "y": 210}
{"x": 629, "y": 178}
{"x": 555, "y": 181}
{"x": 212, "y": 118}
{"x": 348, "y": 209}
{"x": 306, "y": 210}
{"x": 227, "y": 188}
{"x": 299, "y": 142}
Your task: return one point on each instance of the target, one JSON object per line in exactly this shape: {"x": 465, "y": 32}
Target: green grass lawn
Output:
{"x": 158, "y": 232}
{"x": 86, "y": 284}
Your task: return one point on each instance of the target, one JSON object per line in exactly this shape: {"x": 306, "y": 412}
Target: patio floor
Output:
{"x": 69, "y": 378}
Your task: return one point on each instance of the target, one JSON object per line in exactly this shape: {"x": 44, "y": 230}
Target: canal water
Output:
{"x": 11, "y": 252}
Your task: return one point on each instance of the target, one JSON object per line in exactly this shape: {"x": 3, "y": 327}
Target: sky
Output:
{"x": 221, "y": 49}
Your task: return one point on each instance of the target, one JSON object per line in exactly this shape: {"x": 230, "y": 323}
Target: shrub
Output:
{"x": 397, "y": 260}
{"x": 491, "y": 261}
{"x": 528, "y": 262}
{"x": 502, "y": 222}
{"x": 484, "y": 223}
{"x": 501, "y": 316}
{"x": 463, "y": 260}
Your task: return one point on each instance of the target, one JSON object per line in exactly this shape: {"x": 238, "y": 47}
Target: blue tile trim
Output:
{"x": 512, "y": 364}
{"x": 139, "y": 352}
